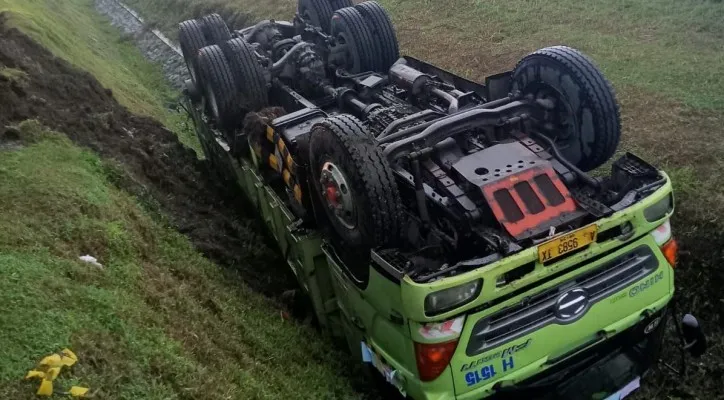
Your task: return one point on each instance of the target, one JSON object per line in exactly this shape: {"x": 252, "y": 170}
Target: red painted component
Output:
{"x": 511, "y": 210}
{"x": 332, "y": 195}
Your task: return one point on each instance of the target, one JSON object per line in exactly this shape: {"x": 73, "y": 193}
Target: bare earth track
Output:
{"x": 151, "y": 163}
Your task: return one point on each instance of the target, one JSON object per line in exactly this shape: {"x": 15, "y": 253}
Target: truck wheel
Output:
{"x": 215, "y": 29}
{"x": 584, "y": 120}
{"x": 191, "y": 38}
{"x": 350, "y": 29}
{"x": 356, "y": 188}
{"x": 248, "y": 75}
{"x": 316, "y": 12}
{"x": 319, "y": 12}
{"x": 218, "y": 87}
{"x": 382, "y": 31}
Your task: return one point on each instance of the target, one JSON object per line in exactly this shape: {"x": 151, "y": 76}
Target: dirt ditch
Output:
{"x": 166, "y": 176}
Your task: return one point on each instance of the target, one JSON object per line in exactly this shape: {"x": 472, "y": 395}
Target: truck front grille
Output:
{"x": 540, "y": 309}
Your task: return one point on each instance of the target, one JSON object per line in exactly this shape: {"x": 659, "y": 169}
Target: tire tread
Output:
{"x": 363, "y": 39}
{"x": 382, "y": 202}
{"x": 191, "y": 39}
{"x": 597, "y": 91}
{"x": 383, "y": 31}
{"x": 217, "y": 74}
{"x": 215, "y": 29}
{"x": 248, "y": 74}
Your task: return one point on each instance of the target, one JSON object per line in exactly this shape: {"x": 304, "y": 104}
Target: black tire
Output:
{"x": 319, "y": 12}
{"x": 219, "y": 88}
{"x": 191, "y": 38}
{"x": 337, "y": 4}
{"x": 383, "y": 33}
{"x": 349, "y": 27}
{"x": 215, "y": 29}
{"x": 316, "y": 12}
{"x": 344, "y": 141}
{"x": 248, "y": 75}
{"x": 587, "y": 124}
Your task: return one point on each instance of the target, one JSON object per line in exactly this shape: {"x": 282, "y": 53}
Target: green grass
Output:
{"x": 669, "y": 47}
{"x": 14, "y": 75}
{"x": 158, "y": 321}
{"x": 70, "y": 30}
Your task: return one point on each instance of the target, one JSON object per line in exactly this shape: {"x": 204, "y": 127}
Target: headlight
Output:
{"x": 660, "y": 209}
{"x": 449, "y": 299}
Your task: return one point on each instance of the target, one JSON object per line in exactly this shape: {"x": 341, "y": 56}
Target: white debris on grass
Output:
{"x": 91, "y": 260}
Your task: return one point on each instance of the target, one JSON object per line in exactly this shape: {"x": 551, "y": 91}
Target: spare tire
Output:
{"x": 356, "y": 188}
{"x": 350, "y": 29}
{"x": 215, "y": 29}
{"x": 319, "y": 12}
{"x": 584, "y": 121}
{"x": 383, "y": 33}
{"x": 248, "y": 75}
{"x": 219, "y": 88}
{"x": 191, "y": 38}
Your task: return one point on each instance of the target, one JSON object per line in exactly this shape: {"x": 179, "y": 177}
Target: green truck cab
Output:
{"x": 446, "y": 230}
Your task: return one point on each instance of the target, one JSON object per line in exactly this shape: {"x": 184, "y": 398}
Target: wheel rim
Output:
{"x": 337, "y": 195}
{"x": 560, "y": 120}
{"x": 351, "y": 57}
{"x": 310, "y": 16}
{"x": 347, "y": 45}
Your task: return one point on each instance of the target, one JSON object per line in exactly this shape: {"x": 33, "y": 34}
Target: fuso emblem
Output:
{"x": 571, "y": 304}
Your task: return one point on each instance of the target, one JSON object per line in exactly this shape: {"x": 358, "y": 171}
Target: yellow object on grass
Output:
{"x": 45, "y": 389}
{"x": 49, "y": 369}
{"x": 78, "y": 391}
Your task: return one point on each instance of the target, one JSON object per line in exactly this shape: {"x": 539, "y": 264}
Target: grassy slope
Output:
{"x": 68, "y": 30}
{"x": 664, "y": 57}
{"x": 158, "y": 321}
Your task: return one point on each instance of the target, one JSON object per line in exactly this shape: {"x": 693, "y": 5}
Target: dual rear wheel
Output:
{"x": 225, "y": 71}
{"x": 196, "y": 34}
{"x": 364, "y": 32}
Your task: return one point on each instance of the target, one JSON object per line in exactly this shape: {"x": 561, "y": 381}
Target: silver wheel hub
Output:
{"x": 337, "y": 195}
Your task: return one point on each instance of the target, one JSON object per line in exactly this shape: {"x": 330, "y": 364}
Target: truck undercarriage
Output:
{"x": 449, "y": 170}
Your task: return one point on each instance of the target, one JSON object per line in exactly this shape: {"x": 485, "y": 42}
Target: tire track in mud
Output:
{"x": 156, "y": 166}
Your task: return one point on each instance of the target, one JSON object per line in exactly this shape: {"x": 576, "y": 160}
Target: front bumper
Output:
{"x": 599, "y": 370}
{"x": 575, "y": 375}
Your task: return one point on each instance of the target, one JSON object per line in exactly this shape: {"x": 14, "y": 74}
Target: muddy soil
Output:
{"x": 158, "y": 169}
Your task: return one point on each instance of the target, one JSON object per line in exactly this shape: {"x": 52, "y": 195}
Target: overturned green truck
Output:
{"x": 447, "y": 230}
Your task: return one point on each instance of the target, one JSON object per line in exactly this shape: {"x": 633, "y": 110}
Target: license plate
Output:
{"x": 626, "y": 390}
{"x": 567, "y": 243}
